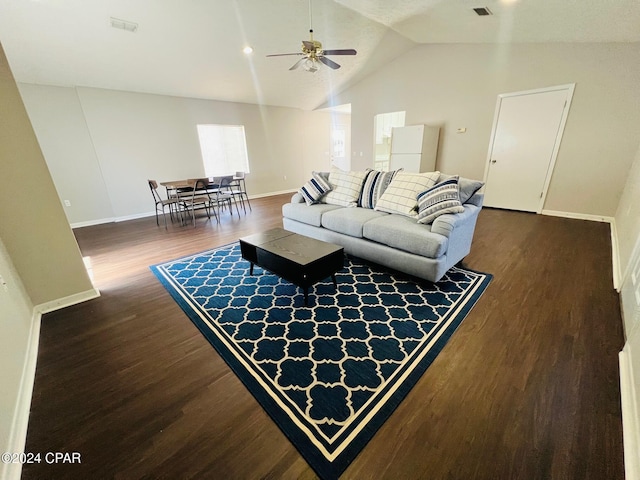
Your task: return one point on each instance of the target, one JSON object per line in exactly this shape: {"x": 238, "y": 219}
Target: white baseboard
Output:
{"x": 615, "y": 257}
{"x": 280, "y": 192}
{"x": 578, "y": 216}
{"x": 135, "y": 216}
{"x": 101, "y": 221}
{"x": 90, "y": 223}
{"x": 67, "y": 301}
{"x": 19, "y": 425}
{"x": 630, "y": 418}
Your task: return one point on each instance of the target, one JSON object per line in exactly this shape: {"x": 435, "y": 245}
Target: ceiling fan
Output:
{"x": 313, "y": 54}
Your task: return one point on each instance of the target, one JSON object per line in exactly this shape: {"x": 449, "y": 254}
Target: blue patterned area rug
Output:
{"x": 331, "y": 373}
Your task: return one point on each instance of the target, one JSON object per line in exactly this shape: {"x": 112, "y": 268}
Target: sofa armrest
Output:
{"x": 447, "y": 223}
{"x": 459, "y": 229}
{"x": 297, "y": 198}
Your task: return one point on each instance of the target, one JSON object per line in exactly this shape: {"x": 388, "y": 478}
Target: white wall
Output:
{"x": 16, "y": 312}
{"x": 627, "y": 222}
{"x": 65, "y": 140}
{"x": 104, "y": 145}
{"x": 628, "y": 217}
{"x": 457, "y": 85}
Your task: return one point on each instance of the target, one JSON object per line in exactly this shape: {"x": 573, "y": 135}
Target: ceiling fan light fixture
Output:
{"x": 310, "y": 65}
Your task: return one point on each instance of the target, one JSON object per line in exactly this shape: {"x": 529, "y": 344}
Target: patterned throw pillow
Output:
{"x": 374, "y": 186}
{"x": 345, "y": 187}
{"x": 401, "y": 196}
{"x": 314, "y": 189}
{"x": 466, "y": 186}
{"x": 442, "y": 198}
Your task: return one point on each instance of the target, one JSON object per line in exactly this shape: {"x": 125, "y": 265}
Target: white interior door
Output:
{"x": 526, "y": 136}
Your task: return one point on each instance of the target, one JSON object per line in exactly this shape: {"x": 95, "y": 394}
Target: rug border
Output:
{"x": 290, "y": 428}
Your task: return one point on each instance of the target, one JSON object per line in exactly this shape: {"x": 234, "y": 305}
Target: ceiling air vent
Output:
{"x": 482, "y": 11}
{"x": 123, "y": 24}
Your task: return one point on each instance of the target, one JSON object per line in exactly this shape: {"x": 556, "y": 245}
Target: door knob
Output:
{"x": 493, "y": 161}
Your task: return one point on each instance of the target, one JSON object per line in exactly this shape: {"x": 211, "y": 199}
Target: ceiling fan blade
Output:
{"x": 329, "y": 63}
{"x": 298, "y": 63}
{"x": 346, "y": 51}
{"x": 283, "y": 54}
{"x": 308, "y": 45}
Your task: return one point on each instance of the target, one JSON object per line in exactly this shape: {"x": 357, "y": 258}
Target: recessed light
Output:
{"x": 247, "y": 50}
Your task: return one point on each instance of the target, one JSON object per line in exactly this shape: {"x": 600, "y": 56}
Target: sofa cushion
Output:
{"x": 349, "y": 221}
{"x": 310, "y": 214}
{"x": 405, "y": 233}
{"x": 401, "y": 196}
{"x": 443, "y": 197}
{"x": 345, "y": 187}
{"x": 467, "y": 186}
{"x": 374, "y": 186}
{"x": 314, "y": 189}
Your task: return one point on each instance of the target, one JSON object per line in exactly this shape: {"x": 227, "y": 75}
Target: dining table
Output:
{"x": 184, "y": 188}
{"x": 187, "y": 184}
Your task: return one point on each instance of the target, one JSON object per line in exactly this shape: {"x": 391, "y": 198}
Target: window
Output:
{"x": 224, "y": 149}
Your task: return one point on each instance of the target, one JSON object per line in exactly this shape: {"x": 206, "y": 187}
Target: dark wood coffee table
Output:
{"x": 300, "y": 260}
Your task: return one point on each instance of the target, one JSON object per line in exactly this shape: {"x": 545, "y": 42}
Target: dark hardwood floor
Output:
{"x": 527, "y": 388}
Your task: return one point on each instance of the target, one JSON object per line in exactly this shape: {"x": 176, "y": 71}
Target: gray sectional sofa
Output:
{"x": 396, "y": 241}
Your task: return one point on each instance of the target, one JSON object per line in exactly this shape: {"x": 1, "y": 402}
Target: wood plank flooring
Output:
{"x": 527, "y": 388}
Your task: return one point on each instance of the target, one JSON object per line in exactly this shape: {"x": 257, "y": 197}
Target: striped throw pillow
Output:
{"x": 374, "y": 186}
{"x": 444, "y": 197}
{"x": 314, "y": 189}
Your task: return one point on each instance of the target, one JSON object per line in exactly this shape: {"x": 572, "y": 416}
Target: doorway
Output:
{"x": 339, "y": 147}
{"x": 339, "y": 136}
{"x": 526, "y": 136}
{"x": 383, "y": 124}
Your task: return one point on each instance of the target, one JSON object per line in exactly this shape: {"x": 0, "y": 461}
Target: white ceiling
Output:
{"x": 193, "y": 48}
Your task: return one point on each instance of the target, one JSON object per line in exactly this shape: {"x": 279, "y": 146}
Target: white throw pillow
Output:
{"x": 345, "y": 188}
{"x": 401, "y": 196}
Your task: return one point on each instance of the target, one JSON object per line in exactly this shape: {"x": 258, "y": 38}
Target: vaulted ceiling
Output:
{"x": 193, "y": 48}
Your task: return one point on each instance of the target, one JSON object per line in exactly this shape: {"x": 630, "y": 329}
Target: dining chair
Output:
{"x": 221, "y": 188}
{"x": 197, "y": 196}
{"x": 238, "y": 189}
{"x": 161, "y": 204}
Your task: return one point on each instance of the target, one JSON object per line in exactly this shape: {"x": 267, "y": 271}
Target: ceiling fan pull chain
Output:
{"x": 310, "y": 21}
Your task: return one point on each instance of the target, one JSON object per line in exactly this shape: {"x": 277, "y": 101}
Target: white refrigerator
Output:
{"x": 414, "y": 148}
